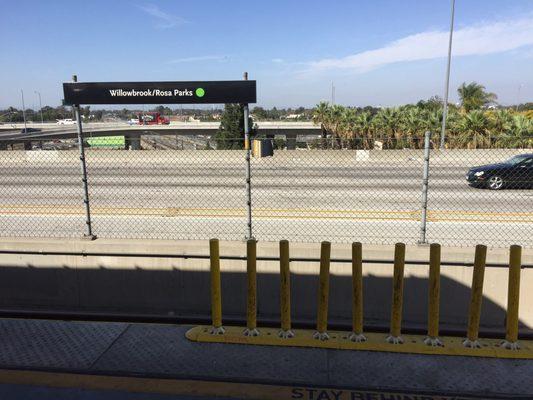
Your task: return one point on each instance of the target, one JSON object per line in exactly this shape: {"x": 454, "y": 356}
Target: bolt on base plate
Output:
{"x": 217, "y": 330}
{"x": 394, "y": 339}
{"x": 433, "y": 341}
{"x": 321, "y": 336}
{"x": 357, "y": 337}
{"x": 250, "y": 332}
{"x": 286, "y": 334}
{"x": 472, "y": 344}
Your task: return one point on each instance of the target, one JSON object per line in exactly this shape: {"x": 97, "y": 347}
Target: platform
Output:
{"x": 47, "y": 359}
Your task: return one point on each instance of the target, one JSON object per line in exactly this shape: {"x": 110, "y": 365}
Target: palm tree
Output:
{"x": 519, "y": 135}
{"x": 474, "y": 96}
{"x": 474, "y": 130}
{"x": 412, "y": 122}
{"x": 363, "y": 127}
{"x": 387, "y": 123}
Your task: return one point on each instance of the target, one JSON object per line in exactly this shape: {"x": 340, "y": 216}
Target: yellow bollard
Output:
{"x": 323, "y": 293}
{"x": 397, "y": 295}
{"x": 474, "y": 312}
{"x": 513, "y": 297}
{"x": 216, "y": 296}
{"x": 432, "y": 338}
{"x": 357, "y": 293}
{"x": 251, "y": 277}
{"x": 285, "y": 290}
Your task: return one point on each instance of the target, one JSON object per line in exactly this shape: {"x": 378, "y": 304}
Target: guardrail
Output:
{"x": 431, "y": 343}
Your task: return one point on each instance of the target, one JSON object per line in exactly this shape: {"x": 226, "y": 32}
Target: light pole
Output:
{"x": 40, "y": 106}
{"x": 447, "y": 85}
{"x": 23, "y": 110}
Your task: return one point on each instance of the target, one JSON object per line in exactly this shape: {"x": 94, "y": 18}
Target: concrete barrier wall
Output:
{"x": 180, "y": 287}
{"x": 281, "y": 157}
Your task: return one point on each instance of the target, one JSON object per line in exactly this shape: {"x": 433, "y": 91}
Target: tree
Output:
{"x": 474, "y": 130}
{"x": 474, "y": 96}
{"x": 230, "y": 134}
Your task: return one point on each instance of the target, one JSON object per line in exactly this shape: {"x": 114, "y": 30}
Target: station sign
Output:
{"x": 193, "y": 92}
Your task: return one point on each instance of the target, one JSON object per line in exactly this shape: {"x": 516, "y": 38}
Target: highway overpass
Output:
{"x": 49, "y": 131}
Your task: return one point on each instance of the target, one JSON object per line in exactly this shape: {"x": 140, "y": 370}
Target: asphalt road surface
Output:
{"x": 306, "y": 199}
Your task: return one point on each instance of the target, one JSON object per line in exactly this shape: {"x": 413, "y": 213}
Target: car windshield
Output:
{"x": 516, "y": 160}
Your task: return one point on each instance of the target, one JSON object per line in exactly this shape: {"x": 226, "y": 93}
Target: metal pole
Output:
{"x": 23, "y": 110}
{"x": 89, "y": 235}
{"x": 447, "y": 85}
{"x": 248, "y": 167}
{"x": 285, "y": 290}
{"x": 251, "y": 298}
{"x": 425, "y": 184}
{"x": 397, "y": 295}
{"x": 476, "y": 298}
{"x": 40, "y": 106}
{"x": 357, "y": 293}
{"x": 216, "y": 291}
{"x": 323, "y": 293}
{"x": 513, "y": 298}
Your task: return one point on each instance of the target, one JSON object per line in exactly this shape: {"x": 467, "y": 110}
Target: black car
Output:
{"x": 516, "y": 172}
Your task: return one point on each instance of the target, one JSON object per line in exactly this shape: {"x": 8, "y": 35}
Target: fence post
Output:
{"x": 476, "y": 297}
{"x": 285, "y": 290}
{"x": 249, "y": 234}
{"x": 323, "y": 293}
{"x": 432, "y": 338}
{"x": 513, "y": 297}
{"x": 425, "y": 183}
{"x": 397, "y": 295}
{"x": 357, "y": 293}
{"x": 216, "y": 293}
{"x": 251, "y": 277}
{"x": 81, "y": 146}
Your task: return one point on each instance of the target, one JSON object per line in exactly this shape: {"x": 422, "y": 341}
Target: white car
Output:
{"x": 133, "y": 121}
{"x": 66, "y": 121}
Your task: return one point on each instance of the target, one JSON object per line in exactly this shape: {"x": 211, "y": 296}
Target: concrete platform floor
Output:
{"x": 46, "y": 359}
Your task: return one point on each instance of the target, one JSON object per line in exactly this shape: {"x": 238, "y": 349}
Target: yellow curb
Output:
{"x": 413, "y": 344}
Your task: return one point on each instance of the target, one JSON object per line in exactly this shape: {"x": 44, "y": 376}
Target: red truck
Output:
{"x": 153, "y": 118}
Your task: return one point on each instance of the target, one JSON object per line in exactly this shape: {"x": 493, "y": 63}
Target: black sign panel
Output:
{"x": 207, "y": 92}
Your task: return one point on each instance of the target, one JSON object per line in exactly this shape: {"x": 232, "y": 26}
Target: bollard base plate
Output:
{"x": 413, "y": 344}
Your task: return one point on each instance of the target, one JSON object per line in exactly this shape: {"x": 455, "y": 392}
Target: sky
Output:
{"x": 379, "y": 52}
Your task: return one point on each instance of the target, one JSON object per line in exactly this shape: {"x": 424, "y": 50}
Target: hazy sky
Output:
{"x": 379, "y": 52}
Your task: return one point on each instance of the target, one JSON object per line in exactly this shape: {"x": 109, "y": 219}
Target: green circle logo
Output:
{"x": 200, "y": 92}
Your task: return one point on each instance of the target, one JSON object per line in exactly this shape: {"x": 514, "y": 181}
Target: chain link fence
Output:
{"x": 194, "y": 187}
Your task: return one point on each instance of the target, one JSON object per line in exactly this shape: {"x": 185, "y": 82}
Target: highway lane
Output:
{"x": 379, "y": 231}
{"x": 300, "y": 196}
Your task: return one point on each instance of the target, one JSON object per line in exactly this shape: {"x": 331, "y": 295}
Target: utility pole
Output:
{"x": 447, "y": 85}
{"x": 40, "y": 106}
{"x": 332, "y": 93}
{"x": 23, "y": 110}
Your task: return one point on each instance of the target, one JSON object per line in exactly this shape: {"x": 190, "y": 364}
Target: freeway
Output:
{"x": 305, "y": 197}
{"x": 54, "y": 131}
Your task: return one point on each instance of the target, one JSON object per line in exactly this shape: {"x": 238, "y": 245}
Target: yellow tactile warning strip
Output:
{"x": 273, "y": 213}
{"x": 203, "y": 388}
{"x": 413, "y": 344}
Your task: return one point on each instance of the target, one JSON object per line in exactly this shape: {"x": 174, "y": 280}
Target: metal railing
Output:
{"x": 195, "y": 187}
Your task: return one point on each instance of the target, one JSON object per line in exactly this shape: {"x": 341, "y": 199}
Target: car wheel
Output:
{"x": 495, "y": 182}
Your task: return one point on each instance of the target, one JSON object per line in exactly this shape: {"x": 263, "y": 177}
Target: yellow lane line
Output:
{"x": 413, "y": 344}
{"x": 272, "y": 213}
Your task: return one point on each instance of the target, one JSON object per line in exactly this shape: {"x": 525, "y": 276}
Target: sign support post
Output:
{"x": 248, "y": 166}
{"x": 89, "y": 235}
